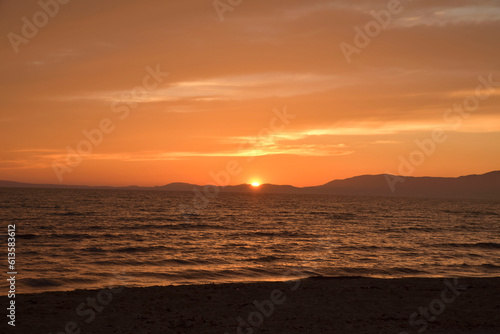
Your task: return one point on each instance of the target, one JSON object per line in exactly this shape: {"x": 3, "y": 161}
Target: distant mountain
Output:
{"x": 12, "y": 184}
{"x": 177, "y": 186}
{"x": 470, "y": 186}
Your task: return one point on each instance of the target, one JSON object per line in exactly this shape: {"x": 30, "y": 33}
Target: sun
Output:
{"x": 255, "y": 184}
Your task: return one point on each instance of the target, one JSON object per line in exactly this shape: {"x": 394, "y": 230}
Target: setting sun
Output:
{"x": 255, "y": 184}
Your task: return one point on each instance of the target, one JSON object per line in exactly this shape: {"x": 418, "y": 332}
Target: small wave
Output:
{"x": 256, "y": 234}
{"x": 342, "y": 216}
{"x": 472, "y": 213}
{"x": 326, "y": 277}
{"x": 395, "y": 271}
{"x": 413, "y": 228}
{"x": 80, "y": 280}
{"x": 367, "y": 247}
{"x": 267, "y": 259}
{"x": 72, "y": 213}
{"x": 484, "y": 265}
{"x": 94, "y": 250}
{"x": 111, "y": 235}
{"x": 140, "y": 249}
{"x": 95, "y": 227}
{"x": 178, "y": 261}
{"x": 425, "y": 229}
{"x": 163, "y": 262}
{"x": 72, "y": 235}
{"x": 27, "y": 236}
{"x": 180, "y": 226}
{"x": 318, "y": 212}
{"x": 191, "y": 261}
{"x": 130, "y": 249}
{"x": 33, "y": 252}
{"x": 289, "y": 234}
{"x": 40, "y": 282}
{"x": 45, "y": 227}
{"x": 406, "y": 270}
{"x": 488, "y": 245}
{"x": 162, "y": 219}
{"x": 293, "y": 234}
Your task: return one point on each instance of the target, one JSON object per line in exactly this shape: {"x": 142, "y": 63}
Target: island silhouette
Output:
{"x": 485, "y": 186}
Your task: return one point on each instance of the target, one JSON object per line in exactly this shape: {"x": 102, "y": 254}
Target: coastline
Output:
{"x": 312, "y": 305}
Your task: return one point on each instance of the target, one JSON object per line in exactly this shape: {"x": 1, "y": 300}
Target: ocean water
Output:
{"x": 70, "y": 239}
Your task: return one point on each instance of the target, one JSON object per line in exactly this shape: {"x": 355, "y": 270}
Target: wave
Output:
{"x": 180, "y": 226}
{"x": 28, "y": 236}
{"x": 73, "y": 213}
{"x": 370, "y": 247}
{"x": 125, "y": 249}
{"x": 72, "y": 236}
{"x": 159, "y": 263}
{"x": 290, "y": 234}
{"x": 484, "y": 265}
{"x": 425, "y": 229}
{"x": 472, "y": 213}
{"x": 413, "y": 228}
{"x": 40, "y": 282}
{"x": 334, "y": 215}
{"x": 265, "y": 259}
{"x": 487, "y": 245}
{"x": 93, "y": 249}
{"x": 141, "y": 249}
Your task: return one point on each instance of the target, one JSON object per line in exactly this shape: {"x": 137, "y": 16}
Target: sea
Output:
{"x": 69, "y": 239}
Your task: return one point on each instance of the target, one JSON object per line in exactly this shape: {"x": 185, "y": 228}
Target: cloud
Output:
{"x": 441, "y": 16}
{"x": 232, "y": 88}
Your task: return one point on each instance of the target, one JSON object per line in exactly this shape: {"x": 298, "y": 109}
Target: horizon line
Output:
{"x": 239, "y": 184}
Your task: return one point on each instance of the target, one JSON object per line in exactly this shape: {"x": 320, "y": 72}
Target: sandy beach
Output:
{"x": 314, "y": 305}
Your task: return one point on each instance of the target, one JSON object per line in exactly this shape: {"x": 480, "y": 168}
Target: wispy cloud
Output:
{"x": 231, "y": 88}
{"x": 441, "y": 16}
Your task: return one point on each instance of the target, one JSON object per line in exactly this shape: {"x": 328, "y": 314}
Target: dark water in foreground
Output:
{"x": 69, "y": 239}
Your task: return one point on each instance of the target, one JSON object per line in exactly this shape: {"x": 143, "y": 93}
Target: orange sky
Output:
{"x": 228, "y": 80}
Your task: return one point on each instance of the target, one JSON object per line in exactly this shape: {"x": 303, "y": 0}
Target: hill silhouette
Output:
{"x": 471, "y": 186}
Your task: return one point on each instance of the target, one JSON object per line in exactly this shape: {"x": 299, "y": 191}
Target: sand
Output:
{"x": 314, "y": 305}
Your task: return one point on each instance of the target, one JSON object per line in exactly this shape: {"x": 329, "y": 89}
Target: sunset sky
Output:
{"x": 229, "y": 79}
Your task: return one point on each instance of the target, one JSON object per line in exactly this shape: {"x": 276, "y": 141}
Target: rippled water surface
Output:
{"x": 69, "y": 239}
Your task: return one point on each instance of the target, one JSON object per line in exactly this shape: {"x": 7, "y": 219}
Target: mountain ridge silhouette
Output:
{"x": 485, "y": 185}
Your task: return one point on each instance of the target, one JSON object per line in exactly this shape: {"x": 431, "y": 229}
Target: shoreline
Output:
{"x": 314, "y": 305}
{"x": 274, "y": 279}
